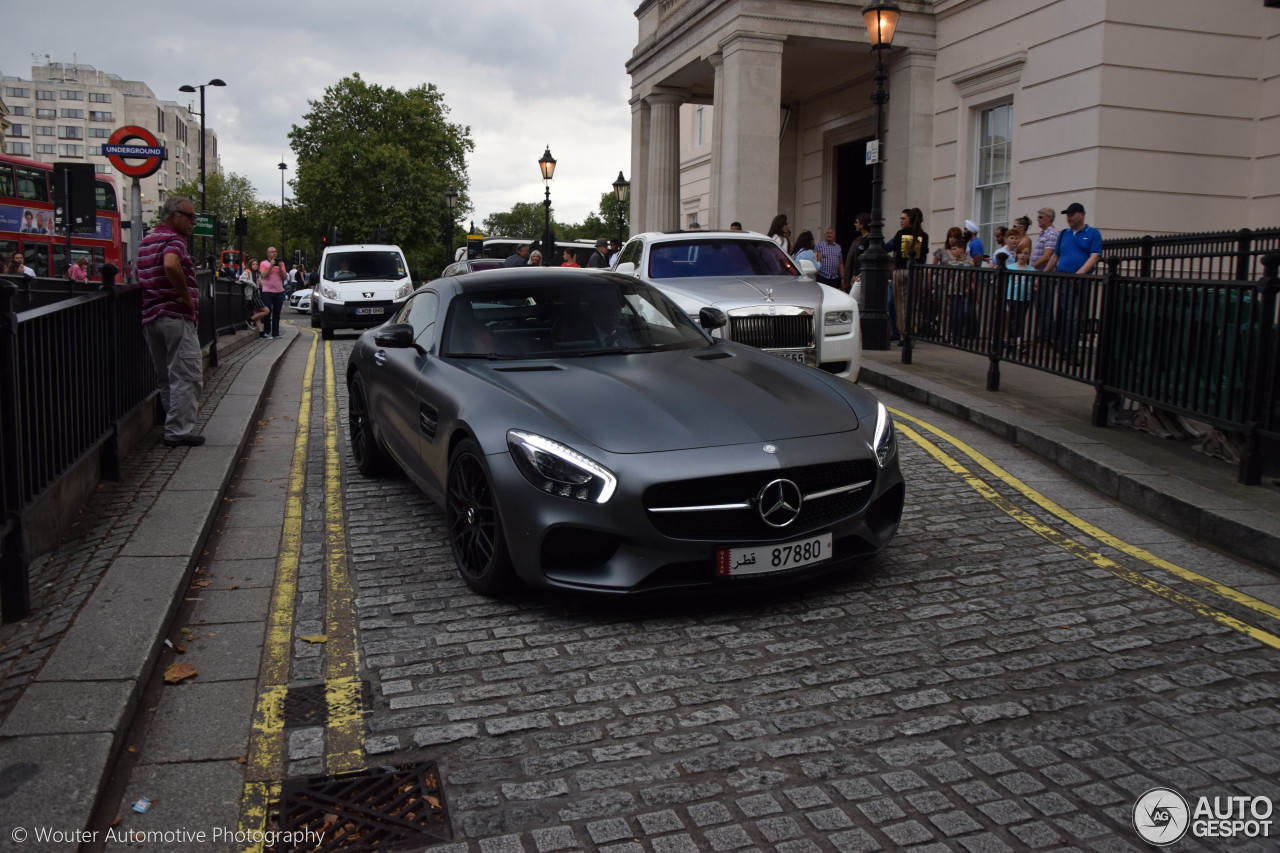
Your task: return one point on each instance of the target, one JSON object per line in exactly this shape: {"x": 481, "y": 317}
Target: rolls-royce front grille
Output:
{"x": 723, "y": 509}
{"x": 769, "y": 331}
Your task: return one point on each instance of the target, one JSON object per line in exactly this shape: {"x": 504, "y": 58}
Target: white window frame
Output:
{"x": 985, "y": 194}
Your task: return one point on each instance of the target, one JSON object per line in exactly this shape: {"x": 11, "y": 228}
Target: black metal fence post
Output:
{"x": 1244, "y": 246}
{"x": 15, "y": 589}
{"x": 1144, "y": 258}
{"x": 996, "y": 338}
{"x": 1263, "y": 377}
{"x": 912, "y": 280}
{"x": 1103, "y": 399}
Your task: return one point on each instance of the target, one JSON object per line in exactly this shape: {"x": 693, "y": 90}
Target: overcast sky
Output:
{"x": 523, "y": 75}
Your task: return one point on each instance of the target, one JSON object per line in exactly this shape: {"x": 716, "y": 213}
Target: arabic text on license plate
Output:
{"x": 761, "y": 559}
{"x": 377, "y": 310}
{"x": 789, "y": 354}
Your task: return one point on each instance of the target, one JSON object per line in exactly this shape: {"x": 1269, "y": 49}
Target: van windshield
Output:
{"x": 346, "y": 266}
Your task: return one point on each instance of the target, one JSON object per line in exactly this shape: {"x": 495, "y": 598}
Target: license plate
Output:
{"x": 377, "y": 310}
{"x": 789, "y": 354}
{"x": 762, "y": 559}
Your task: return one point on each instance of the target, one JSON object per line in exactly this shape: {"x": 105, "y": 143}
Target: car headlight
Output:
{"x": 560, "y": 470}
{"x": 837, "y": 322}
{"x": 885, "y": 442}
{"x": 329, "y": 293}
{"x": 403, "y": 292}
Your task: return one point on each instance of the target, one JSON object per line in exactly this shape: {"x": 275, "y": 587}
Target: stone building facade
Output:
{"x": 68, "y": 112}
{"x": 1157, "y": 116}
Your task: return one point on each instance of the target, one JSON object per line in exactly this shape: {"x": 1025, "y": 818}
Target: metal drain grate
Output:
{"x": 386, "y": 808}
{"x": 308, "y": 705}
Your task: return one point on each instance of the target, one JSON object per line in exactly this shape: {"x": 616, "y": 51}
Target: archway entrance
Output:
{"x": 852, "y": 189}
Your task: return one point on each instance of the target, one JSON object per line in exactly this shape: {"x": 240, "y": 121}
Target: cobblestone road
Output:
{"x": 974, "y": 687}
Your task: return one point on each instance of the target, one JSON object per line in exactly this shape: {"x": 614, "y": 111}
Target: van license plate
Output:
{"x": 377, "y": 310}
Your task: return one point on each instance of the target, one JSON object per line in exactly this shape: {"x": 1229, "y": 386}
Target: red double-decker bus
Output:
{"x": 27, "y": 222}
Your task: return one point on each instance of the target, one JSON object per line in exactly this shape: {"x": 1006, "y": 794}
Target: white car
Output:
{"x": 771, "y": 303}
{"x": 300, "y": 301}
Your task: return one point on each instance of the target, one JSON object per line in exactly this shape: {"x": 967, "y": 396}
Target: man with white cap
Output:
{"x": 976, "y": 250}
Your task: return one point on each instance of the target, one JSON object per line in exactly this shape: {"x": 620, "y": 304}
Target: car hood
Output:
{"x": 648, "y": 402}
{"x": 727, "y": 292}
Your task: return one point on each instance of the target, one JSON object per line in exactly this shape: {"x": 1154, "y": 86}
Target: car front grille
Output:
{"x": 768, "y": 331}
{"x": 745, "y": 523}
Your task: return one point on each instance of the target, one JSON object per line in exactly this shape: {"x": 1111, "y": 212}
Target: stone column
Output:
{"x": 639, "y": 163}
{"x": 717, "y": 222}
{"x": 748, "y": 122}
{"x": 662, "y": 207}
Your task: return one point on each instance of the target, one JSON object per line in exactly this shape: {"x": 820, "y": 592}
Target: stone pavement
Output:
{"x": 72, "y": 676}
{"x": 1050, "y": 415}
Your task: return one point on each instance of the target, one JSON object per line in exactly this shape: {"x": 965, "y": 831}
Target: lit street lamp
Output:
{"x": 282, "y": 167}
{"x": 450, "y": 201}
{"x": 881, "y": 18}
{"x": 204, "y": 250}
{"x": 622, "y": 192}
{"x": 548, "y": 166}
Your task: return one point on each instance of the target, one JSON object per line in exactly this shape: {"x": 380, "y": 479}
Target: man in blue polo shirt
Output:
{"x": 1079, "y": 250}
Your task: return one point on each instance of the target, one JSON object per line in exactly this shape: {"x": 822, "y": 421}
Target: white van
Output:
{"x": 361, "y": 285}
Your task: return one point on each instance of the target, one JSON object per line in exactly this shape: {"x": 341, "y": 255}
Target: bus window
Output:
{"x": 8, "y": 248}
{"x": 60, "y": 262}
{"x": 6, "y": 180}
{"x": 105, "y": 196}
{"x": 33, "y": 184}
{"x": 37, "y": 258}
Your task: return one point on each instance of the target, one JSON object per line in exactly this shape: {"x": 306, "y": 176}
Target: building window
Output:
{"x": 46, "y": 95}
{"x": 70, "y": 150}
{"x": 71, "y": 133}
{"x": 99, "y": 115}
{"x": 20, "y": 130}
{"x": 20, "y": 149}
{"x": 46, "y": 149}
{"x": 16, "y": 92}
{"x": 46, "y": 113}
{"x": 100, "y": 97}
{"x": 697, "y": 126}
{"x": 95, "y": 150}
{"x": 995, "y": 164}
{"x": 100, "y": 132}
{"x": 72, "y": 95}
{"x": 45, "y": 130}
{"x": 72, "y": 113}
{"x": 20, "y": 111}
{"x": 101, "y": 168}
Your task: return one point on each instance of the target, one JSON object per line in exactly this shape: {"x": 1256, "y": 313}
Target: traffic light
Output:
{"x": 220, "y": 233}
{"x": 242, "y": 226}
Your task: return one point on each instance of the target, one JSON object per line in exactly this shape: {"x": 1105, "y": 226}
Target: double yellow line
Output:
{"x": 266, "y": 758}
{"x": 1081, "y": 550}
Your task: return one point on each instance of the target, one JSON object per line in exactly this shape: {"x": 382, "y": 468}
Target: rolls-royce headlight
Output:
{"x": 329, "y": 293}
{"x": 560, "y": 470}
{"x": 403, "y": 292}
{"x": 837, "y": 322}
{"x": 885, "y": 441}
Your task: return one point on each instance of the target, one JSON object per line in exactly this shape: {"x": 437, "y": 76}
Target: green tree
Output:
{"x": 602, "y": 222}
{"x": 524, "y": 219}
{"x": 371, "y": 157}
{"x": 225, "y": 195}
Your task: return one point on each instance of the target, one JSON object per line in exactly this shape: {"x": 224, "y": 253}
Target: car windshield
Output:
{"x": 718, "y": 256}
{"x": 345, "y": 266}
{"x": 585, "y": 316}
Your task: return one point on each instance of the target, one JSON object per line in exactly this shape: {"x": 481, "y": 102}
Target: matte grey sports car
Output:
{"x": 582, "y": 432}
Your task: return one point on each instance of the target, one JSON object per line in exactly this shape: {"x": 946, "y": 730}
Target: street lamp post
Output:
{"x": 282, "y": 167}
{"x": 881, "y": 18}
{"x": 204, "y": 249}
{"x": 548, "y": 166}
{"x": 622, "y": 192}
{"x": 450, "y": 201}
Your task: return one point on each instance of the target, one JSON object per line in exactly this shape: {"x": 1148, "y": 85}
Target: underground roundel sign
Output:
{"x": 136, "y": 161}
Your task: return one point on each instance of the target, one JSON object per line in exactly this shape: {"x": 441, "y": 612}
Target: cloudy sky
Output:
{"x": 523, "y": 75}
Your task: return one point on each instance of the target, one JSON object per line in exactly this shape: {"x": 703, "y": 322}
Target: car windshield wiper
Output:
{"x": 611, "y": 351}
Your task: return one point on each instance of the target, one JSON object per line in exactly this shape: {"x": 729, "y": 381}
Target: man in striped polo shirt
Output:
{"x": 169, "y": 304}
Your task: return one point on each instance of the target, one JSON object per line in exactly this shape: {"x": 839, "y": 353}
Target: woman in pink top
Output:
{"x": 79, "y": 271}
{"x": 272, "y": 275}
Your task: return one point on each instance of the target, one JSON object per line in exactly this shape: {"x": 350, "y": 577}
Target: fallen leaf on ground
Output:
{"x": 201, "y": 583}
{"x": 178, "y": 672}
{"x": 315, "y": 638}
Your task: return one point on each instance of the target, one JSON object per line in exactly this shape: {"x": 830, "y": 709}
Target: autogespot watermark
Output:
{"x": 1162, "y": 816}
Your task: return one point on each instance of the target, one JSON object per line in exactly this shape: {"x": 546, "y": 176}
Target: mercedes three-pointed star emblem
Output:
{"x": 779, "y": 503}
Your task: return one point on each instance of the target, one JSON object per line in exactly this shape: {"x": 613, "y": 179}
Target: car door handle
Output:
{"x": 380, "y": 357}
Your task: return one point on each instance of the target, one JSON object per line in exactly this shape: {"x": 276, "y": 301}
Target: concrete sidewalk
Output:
{"x": 80, "y": 662}
{"x": 1050, "y": 415}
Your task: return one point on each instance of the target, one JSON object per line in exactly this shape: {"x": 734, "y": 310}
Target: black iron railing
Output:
{"x": 1207, "y": 349}
{"x": 1217, "y": 255}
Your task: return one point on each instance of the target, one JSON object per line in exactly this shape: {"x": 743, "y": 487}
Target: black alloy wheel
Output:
{"x": 475, "y": 529}
{"x": 371, "y": 460}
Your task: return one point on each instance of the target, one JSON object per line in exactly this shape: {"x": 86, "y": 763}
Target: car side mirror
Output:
{"x": 712, "y": 318}
{"x": 626, "y": 269}
{"x": 808, "y": 268}
{"x": 395, "y": 336}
